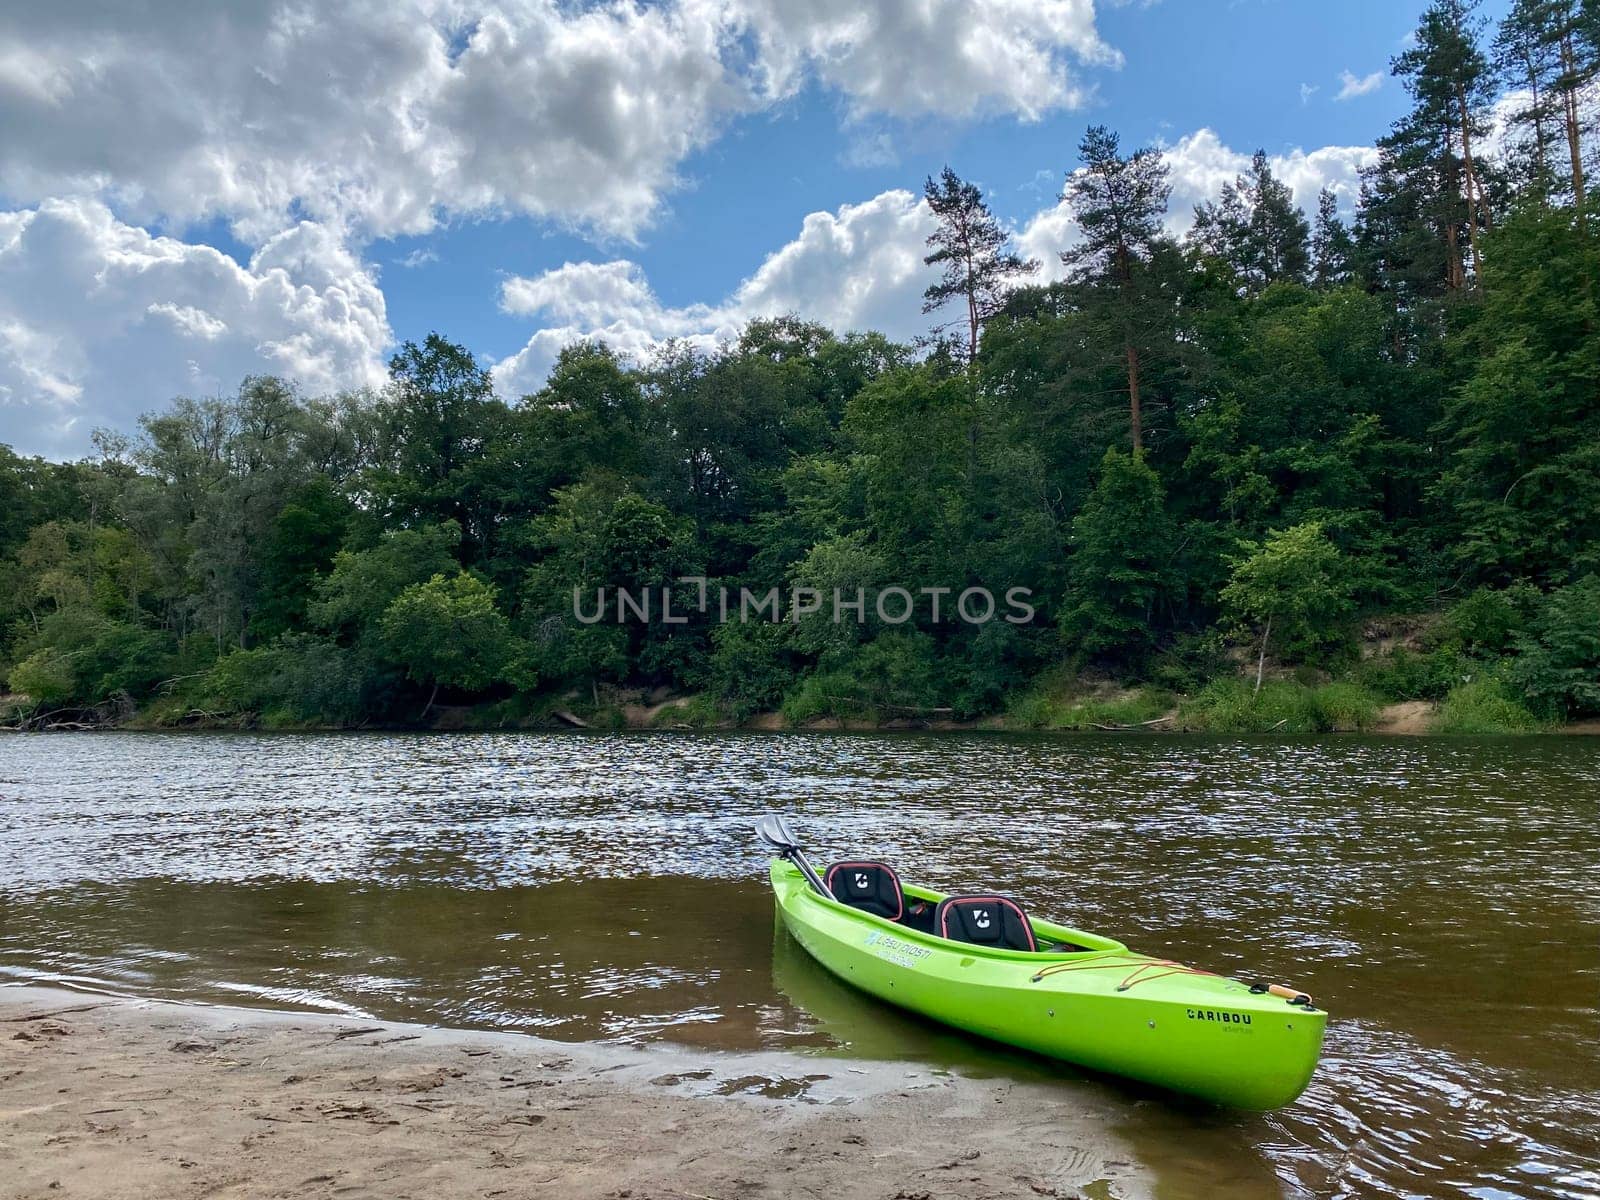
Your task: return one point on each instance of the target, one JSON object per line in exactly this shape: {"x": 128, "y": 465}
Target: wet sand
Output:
{"x": 104, "y": 1097}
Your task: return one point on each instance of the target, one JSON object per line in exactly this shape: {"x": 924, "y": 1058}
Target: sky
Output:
{"x": 189, "y": 196}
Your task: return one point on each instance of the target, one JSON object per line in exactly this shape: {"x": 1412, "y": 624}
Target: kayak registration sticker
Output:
{"x": 892, "y": 949}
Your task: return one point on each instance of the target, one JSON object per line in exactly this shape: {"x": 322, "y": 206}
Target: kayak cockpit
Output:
{"x": 986, "y": 920}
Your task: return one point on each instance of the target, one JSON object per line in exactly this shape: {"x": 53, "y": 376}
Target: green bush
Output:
{"x": 697, "y": 712}
{"x": 1044, "y": 707}
{"x": 1232, "y": 706}
{"x": 751, "y": 666}
{"x": 1484, "y": 705}
{"x": 1344, "y": 707}
{"x": 1192, "y": 661}
{"x": 1488, "y": 621}
{"x": 1407, "y": 675}
{"x": 1559, "y": 667}
{"x": 297, "y": 680}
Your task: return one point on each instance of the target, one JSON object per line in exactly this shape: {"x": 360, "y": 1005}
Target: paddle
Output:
{"x": 776, "y": 832}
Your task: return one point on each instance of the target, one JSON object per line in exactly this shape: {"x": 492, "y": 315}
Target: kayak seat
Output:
{"x": 873, "y": 887}
{"x": 985, "y": 921}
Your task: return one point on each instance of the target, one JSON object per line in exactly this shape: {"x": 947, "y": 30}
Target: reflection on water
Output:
{"x": 1439, "y": 897}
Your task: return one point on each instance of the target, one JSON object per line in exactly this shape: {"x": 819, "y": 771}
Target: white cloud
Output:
{"x": 1350, "y": 87}
{"x": 1199, "y": 164}
{"x": 857, "y": 268}
{"x": 378, "y": 115}
{"x": 100, "y": 320}
{"x": 1308, "y": 90}
{"x": 954, "y": 58}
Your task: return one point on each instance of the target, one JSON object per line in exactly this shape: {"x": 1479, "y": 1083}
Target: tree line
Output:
{"x": 1198, "y": 455}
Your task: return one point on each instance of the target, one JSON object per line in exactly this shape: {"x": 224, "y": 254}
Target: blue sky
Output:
{"x": 517, "y": 176}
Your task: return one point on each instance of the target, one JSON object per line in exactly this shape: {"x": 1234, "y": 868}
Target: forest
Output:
{"x": 1273, "y": 474}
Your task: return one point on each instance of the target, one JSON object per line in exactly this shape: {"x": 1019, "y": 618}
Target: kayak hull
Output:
{"x": 1105, "y": 1008}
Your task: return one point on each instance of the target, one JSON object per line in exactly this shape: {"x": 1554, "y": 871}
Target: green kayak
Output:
{"x": 1074, "y": 996}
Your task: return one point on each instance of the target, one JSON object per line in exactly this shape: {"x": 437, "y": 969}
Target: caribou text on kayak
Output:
{"x": 980, "y": 963}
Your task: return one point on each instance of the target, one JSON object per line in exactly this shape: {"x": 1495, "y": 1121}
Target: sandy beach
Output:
{"x": 104, "y": 1097}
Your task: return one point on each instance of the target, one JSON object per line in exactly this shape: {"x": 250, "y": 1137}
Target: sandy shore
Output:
{"x": 104, "y": 1097}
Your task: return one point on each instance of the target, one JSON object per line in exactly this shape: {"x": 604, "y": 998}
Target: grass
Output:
{"x": 1045, "y": 707}
{"x": 1483, "y": 705}
{"x": 1282, "y": 706}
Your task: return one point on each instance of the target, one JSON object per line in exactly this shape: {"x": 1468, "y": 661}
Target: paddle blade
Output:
{"x": 775, "y": 832}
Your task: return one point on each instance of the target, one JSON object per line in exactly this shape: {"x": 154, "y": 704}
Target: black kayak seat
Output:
{"x": 985, "y": 920}
{"x": 873, "y": 887}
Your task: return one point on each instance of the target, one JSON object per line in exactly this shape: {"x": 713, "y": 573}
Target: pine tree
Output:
{"x": 1256, "y": 228}
{"x": 1332, "y": 248}
{"x": 970, "y": 246}
{"x": 1451, "y": 88}
{"x": 1118, "y": 203}
{"x": 1528, "y": 63}
{"x": 1550, "y": 49}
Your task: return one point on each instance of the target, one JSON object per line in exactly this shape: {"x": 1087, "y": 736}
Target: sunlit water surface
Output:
{"x": 1440, "y": 898}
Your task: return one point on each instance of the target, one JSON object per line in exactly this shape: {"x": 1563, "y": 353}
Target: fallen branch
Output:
{"x": 1137, "y": 725}
{"x": 562, "y": 714}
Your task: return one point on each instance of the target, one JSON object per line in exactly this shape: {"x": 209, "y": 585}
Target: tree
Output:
{"x": 1559, "y": 667}
{"x": 1332, "y": 248}
{"x": 1451, "y": 87}
{"x": 352, "y": 598}
{"x": 1118, "y": 203}
{"x": 437, "y": 421}
{"x": 970, "y": 248}
{"x": 1292, "y": 581}
{"x": 447, "y": 632}
{"x": 1256, "y": 229}
{"x": 1121, "y": 569}
{"x": 1548, "y": 53}
{"x": 1528, "y": 61}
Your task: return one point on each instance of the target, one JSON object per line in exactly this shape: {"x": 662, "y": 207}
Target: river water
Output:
{"x": 1440, "y": 898}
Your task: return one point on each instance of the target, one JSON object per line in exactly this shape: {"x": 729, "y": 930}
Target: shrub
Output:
{"x": 1487, "y": 622}
{"x": 1406, "y": 675}
{"x": 1345, "y": 706}
{"x": 1559, "y": 667}
{"x": 1483, "y": 705}
{"x": 1233, "y": 706}
{"x": 1043, "y": 708}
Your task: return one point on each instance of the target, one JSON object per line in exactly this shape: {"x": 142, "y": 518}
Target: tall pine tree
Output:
{"x": 1118, "y": 203}
{"x": 1256, "y": 228}
{"x": 970, "y": 247}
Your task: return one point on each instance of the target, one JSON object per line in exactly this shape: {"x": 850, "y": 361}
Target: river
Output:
{"x": 1440, "y": 898}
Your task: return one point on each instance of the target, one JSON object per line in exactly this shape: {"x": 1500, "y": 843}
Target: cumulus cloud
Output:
{"x": 378, "y": 115}
{"x": 1199, "y": 164}
{"x": 1351, "y": 86}
{"x": 100, "y": 320}
{"x": 859, "y": 267}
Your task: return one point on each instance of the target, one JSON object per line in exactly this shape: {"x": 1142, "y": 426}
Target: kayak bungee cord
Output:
{"x": 1134, "y": 977}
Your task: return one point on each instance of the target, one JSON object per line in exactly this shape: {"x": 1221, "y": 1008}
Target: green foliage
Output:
{"x": 1291, "y": 587}
{"x": 751, "y": 667}
{"x": 448, "y": 632}
{"x": 1051, "y": 704}
{"x": 1559, "y": 665}
{"x": 1405, "y": 674}
{"x": 1173, "y": 443}
{"x": 1281, "y": 706}
{"x": 1484, "y": 705}
{"x": 353, "y": 597}
{"x": 1487, "y": 622}
{"x": 889, "y": 678}
{"x": 1121, "y": 569}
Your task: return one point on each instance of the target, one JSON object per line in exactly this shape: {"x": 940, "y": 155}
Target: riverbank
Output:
{"x": 1408, "y": 718}
{"x": 106, "y": 1097}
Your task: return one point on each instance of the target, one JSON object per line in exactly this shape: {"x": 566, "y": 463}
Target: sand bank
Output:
{"x": 105, "y": 1097}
